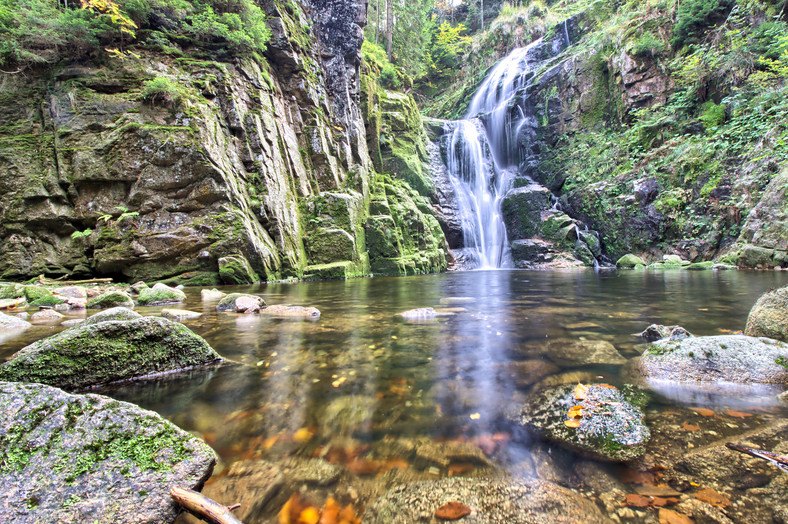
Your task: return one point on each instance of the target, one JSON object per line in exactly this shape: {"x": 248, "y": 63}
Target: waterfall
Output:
{"x": 482, "y": 157}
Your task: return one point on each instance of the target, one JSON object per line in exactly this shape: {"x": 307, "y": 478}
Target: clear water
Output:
{"x": 362, "y": 377}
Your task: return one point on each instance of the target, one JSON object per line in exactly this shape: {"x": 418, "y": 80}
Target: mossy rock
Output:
{"x": 62, "y": 455}
{"x": 769, "y": 316}
{"x": 236, "y": 270}
{"x": 111, "y": 299}
{"x": 50, "y": 300}
{"x": 115, "y": 313}
{"x": 700, "y": 266}
{"x": 335, "y": 271}
{"x": 33, "y": 293}
{"x": 227, "y": 303}
{"x": 95, "y": 354}
{"x": 160, "y": 294}
{"x": 11, "y": 291}
{"x": 611, "y": 427}
{"x": 630, "y": 261}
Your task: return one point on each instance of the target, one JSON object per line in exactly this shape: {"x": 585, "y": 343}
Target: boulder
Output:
{"x": 137, "y": 287}
{"x": 310, "y": 313}
{"x": 46, "y": 316}
{"x": 88, "y": 458}
{"x": 71, "y": 292}
{"x": 769, "y": 316}
{"x": 658, "y": 332}
{"x": 236, "y": 269}
{"x": 160, "y": 294}
{"x": 49, "y": 301}
{"x": 179, "y": 315}
{"x": 522, "y": 208}
{"x": 490, "y": 501}
{"x": 208, "y": 295}
{"x": 99, "y": 353}
{"x": 111, "y": 299}
{"x": 674, "y": 260}
{"x": 9, "y": 322}
{"x": 12, "y": 303}
{"x": 115, "y": 313}
{"x": 581, "y": 352}
{"x": 731, "y": 358}
{"x": 630, "y": 261}
{"x": 609, "y": 425}
{"x": 248, "y": 303}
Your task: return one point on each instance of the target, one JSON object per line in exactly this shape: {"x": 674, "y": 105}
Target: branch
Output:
{"x": 203, "y": 507}
{"x": 781, "y": 461}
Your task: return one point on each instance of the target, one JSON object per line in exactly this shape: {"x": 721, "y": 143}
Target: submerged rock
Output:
{"x": 9, "y": 322}
{"x": 251, "y": 483}
{"x": 179, "y": 315}
{"x": 769, "y": 316}
{"x": 658, "y": 332}
{"x": 46, "y": 316}
{"x": 419, "y": 315}
{"x": 208, "y": 295}
{"x": 89, "y": 458}
{"x": 247, "y": 304}
{"x": 570, "y": 352}
{"x": 160, "y": 294}
{"x": 111, "y": 299}
{"x": 732, "y": 358}
{"x": 94, "y": 354}
{"x": 610, "y": 426}
{"x": 115, "y": 313}
{"x": 310, "y": 313}
{"x": 489, "y": 501}
{"x": 630, "y": 261}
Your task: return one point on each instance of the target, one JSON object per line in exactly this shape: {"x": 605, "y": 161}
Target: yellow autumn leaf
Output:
{"x": 572, "y": 423}
{"x": 580, "y": 392}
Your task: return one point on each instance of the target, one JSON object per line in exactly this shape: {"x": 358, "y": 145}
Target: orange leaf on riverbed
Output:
{"x": 580, "y": 392}
{"x": 712, "y": 497}
{"x": 690, "y": 427}
{"x": 642, "y": 501}
{"x": 703, "y": 412}
{"x": 572, "y": 423}
{"x": 452, "y": 511}
{"x": 737, "y": 414}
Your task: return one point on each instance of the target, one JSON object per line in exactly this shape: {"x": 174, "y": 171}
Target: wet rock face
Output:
{"x": 610, "y": 427}
{"x": 64, "y": 453}
{"x": 763, "y": 238}
{"x": 94, "y": 354}
{"x": 731, "y": 358}
{"x": 769, "y": 316}
{"x": 490, "y": 502}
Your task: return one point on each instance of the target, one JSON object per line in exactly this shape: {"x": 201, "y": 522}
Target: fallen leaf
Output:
{"x": 452, "y": 511}
{"x": 658, "y": 502}
{"x": 572, "y": 423}
{"x": 580, "y": 392}
{"x": 291, "y": 511}
{"x": 364, "y": 467}
{"x": 304, "y": 435}
{"x": 668, "y": 516}
{"x": 576, "y": 412}
{"x": 703, "y": 412}
{"x": 634, "y": 500}
{"x": 712, "y": 497}
{"x": 737, "y": 414}
{"x": 310, "y": 515}
{"x": 348, "y": 516}
{"x": 330, "y": 513}
{"x": 690, "y": 427}
{"x": 459, "y": 469}
{"x": 606, "y": 386}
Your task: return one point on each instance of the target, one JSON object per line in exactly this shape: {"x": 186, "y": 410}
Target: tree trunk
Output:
{"x": 377, "y": 22}
{"x": 389, "y": 28}
{"x": 482, "y": 10}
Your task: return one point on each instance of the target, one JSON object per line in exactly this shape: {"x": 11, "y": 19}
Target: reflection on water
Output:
{"x": 364, "y": 387}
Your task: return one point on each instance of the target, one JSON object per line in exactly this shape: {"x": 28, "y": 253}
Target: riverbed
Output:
{"x": 384, "y": 401}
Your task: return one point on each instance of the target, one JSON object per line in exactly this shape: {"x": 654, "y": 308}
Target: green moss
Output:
{"x": 781, "y": 361}
{"x": 50, "y": 300}
{"x": 33, "y": 293}
{"x": 111, "y": 299}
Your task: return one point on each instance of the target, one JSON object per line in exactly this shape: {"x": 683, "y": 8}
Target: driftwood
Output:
{"x": 53, "y": 281}
{"x": 203, "y": 507}
{"x": 781, "y": 461}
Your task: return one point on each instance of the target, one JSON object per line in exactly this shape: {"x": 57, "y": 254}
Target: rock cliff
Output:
{"x": 252, "y": 169}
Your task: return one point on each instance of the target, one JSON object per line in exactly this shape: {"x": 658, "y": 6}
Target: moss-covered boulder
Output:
{"x": 50, "y": 301}
{"x": 522, "y": 210}
{"x": 33, "y": 293}
{"x": 236, "y": 269}
{"x": 115, "y": 313}
{"x": 630, "y": 261}
{"x": 111, "y": 299}
{"x": 597, "y": 420}
{"x": 229, "y": 302}
{"x": 160, "y": 294}
{"x": 89, "y": 458}
{"x": 769, "y": 316}
{"x": 209, "y": 295}
{"x": 94, "y": 354}
{"x": 730, "y": 358}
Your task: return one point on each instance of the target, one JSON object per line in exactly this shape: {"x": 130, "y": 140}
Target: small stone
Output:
{"x": 210, "y": 295}
{"x": 249, "y": 303}
{"x": 180, "y": 315}
{"x": 309, "y": 313}
{"x": 423, "y": 314}
{"x": 46, "y": 316}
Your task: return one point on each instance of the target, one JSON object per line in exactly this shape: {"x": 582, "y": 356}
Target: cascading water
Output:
{"x": 484, "y": 151}
{"x": 482, "y": 156}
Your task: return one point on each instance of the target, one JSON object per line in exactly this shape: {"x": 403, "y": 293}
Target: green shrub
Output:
{"x": 694, "y": 17}
{"x": 713, "y": 114}
{"x": 161, "y": 90}
{"x": 648, "y": 44}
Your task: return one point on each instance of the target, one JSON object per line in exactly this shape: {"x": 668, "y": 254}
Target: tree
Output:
{"x": 389, "y": 30}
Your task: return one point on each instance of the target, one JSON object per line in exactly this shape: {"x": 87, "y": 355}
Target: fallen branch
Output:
{"x": 203, "y": 507}
{"x": 781, "y": 461}
{"x": 53, "y": 281}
